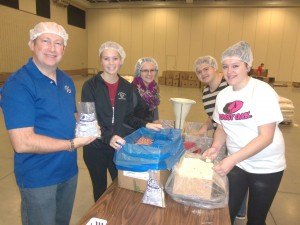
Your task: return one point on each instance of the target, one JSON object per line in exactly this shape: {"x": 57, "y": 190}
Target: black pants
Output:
{"x": 262, "y": 190}
{"x": 98, "y": 161}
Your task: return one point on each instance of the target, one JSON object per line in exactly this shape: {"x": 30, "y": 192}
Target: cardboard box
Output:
{"x": 197, "y": 84}
{"x": 184, "y": 76}
{"x": 162, "y": 80}
{"x": 184, "y": 83}
{"x": 192, "y": 76}
{"x": 296, "y": 84}
{"x": 169, "y": 82}
{"x": 172, "y": 74}
{"x": 264, "y": 72}
{"x": 137, "y": 181}
{"x": 169, "y": 74}
{"x": 164, "y": 74}
{"x": 193, "y": 84}
{"x": 176, "y": 83}
{"x": 176, "y": 75}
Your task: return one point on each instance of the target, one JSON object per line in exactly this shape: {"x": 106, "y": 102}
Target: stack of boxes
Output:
{"x": 172, "y": 78}
{"x": 296, "y": 84}
{"x": 179, "y": 79}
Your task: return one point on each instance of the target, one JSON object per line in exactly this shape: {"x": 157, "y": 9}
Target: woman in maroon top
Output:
{"x": 113, "y": 97}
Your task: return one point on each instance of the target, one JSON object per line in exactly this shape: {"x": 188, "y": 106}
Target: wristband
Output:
{"x": 72, "y": 146}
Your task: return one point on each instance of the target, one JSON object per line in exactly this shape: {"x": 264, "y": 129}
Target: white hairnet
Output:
{"x": 115, "y": 46}
{"x": 139, "y": 64}
{"x": 241, "y": 50}
{"x": 48, "y": 28}
{"x": 208, "y": 60}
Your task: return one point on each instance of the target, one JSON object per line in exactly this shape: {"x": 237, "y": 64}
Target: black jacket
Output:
{"x": 141, "y": 109}
{"x": 95, "y": 90}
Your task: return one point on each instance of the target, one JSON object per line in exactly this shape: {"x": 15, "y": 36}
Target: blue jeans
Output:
{"x": 51, "y": 205}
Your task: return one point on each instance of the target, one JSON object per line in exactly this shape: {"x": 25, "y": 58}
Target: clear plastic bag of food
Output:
{"x": 167, "y": 123}
{"x": 154, "y": 194}
{"x": 197, "y": 144}
{"x": 87, "y": 125}
{"x": 192, "y": 128}
{"x": 193, "y": 182}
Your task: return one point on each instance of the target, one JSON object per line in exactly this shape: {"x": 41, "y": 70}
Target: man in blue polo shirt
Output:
{"x": 38, "y": 103}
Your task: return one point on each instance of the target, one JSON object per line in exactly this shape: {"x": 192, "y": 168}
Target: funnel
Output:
{"x": 181, "y": 108}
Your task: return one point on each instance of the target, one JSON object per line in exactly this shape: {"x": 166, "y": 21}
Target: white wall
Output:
{"x": 174, "y": 36}
{"x": 14, "y": 37}
{"x": 177, "y": 36}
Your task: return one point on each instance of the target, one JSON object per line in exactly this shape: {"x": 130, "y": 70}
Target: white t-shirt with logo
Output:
{"x": 240, "y": 113}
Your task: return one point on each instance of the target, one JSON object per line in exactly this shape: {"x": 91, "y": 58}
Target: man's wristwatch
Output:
{"x": 72, "y": 146}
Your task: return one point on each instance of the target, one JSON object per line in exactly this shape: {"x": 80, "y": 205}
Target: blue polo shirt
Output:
{"x": 31, "y": 99}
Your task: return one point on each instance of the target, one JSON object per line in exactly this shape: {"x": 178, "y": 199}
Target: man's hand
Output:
{"x": 24, "y": 140}
{"x": 82, "y": 141}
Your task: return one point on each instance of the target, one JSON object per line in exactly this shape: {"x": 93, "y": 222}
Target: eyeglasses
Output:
{"x": 49, "y": 42}
{"x": 149, "y": 71}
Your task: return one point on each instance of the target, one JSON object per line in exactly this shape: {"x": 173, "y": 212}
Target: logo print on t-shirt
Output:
{"x": 230, "y": 111}
{"x": 233, "y": 107}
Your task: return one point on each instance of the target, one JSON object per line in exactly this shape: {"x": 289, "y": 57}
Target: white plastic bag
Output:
{"x": 154, "y": 194}
{"x": 87, "y": 125}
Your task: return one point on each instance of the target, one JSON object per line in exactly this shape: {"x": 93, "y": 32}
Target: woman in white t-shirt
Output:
{"x": 247, "y": 113}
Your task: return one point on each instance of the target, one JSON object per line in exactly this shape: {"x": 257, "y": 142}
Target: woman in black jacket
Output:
{"x": 113, "y": 97}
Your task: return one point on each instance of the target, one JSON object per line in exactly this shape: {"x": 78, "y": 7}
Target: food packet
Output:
{"x": 87, "y": 125}
{"x": 208, "y": 191}
{"x": 154, "y": 194}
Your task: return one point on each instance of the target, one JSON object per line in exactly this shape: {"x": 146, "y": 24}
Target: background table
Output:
{"x": 123, "y": 207}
